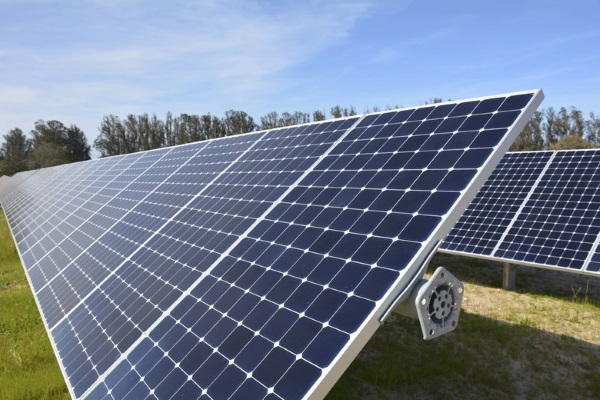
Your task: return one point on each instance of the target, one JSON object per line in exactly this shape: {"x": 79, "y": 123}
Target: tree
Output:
{"x": 111, "y": 140}
{"x": 318, "y": 115}
{"x": 14, "y": 152}
{"x": 170, "y": 129}
{"x": 54, "y": 139}
{"x": 151, "y": 132}
{"x": 550, "y": 127}
{"x": 191, "y": 128}
{"x": 76, "y": 145}
{"x": 48, "y": 155}
{"x": 571, "y": 142}
{"x": 531, "y": 137}
{"x": 297, "y": 118}
{"x": 592, "y": 129}
{"x": 131, "y": 140}
{"x": 569, "y": 122}
{"x": 49, "y": 132}
{"x": 577, "y": 122}
{"x": 269, "y": 121}
{"x": 274, "y": 120}
{"x": 236, "y": 122}
{"x": 212, "y": 126}
{"x": 339, "y": 112}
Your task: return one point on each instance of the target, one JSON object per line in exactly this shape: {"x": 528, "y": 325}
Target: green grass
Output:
{"x": 28, "y": 367}
{"x": 504, "y": 353}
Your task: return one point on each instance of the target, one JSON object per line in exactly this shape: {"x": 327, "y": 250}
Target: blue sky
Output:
{"x": 76, "y": 61}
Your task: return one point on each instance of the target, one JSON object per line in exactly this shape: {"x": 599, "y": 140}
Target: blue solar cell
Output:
{"x": 242, "y": 267}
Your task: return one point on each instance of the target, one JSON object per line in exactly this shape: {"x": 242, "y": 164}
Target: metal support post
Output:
{"x": 509, "y": 276}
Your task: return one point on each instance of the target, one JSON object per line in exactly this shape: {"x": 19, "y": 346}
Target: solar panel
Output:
{"x": 3, "y": 183}
{"x": 538, "y": 208}
{"x": 253, "y": 266}
{"x": 8, "y": 182}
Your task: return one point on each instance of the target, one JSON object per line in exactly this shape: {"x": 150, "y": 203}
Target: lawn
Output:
{"x": 28, "y": 367}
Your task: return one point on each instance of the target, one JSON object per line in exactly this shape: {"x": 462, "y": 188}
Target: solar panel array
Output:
{"x": 8, "y": 182}
{"x": 253, "y": 266}
{"x": 537, "y": 208}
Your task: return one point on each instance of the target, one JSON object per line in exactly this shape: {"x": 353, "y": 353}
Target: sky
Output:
{"x": 77, "y": 61}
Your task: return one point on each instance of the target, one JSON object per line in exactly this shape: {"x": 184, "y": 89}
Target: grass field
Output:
{"x": 542, "y": 341}
{"x": 28, "y": 367}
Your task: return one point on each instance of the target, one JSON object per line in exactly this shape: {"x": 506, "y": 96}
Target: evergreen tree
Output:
{"x": 48, "y": 154}
{"x": 55, "y": 144}
{"x": 76, "y": 145}
{"x": 14, "y": 152}
{"x": 49, "y": 132}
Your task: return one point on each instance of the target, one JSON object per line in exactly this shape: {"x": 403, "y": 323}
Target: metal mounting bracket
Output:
{"x": 435, "y": 303}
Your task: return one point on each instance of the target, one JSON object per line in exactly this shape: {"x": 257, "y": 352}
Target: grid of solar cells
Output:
{"x": 121, "y": 228}
{"x": 245, "y": 267}
{"x": 277, "y": 310}
{"x": 492, "y": 211}
{"x": 24, "y": 212}
{"x": 7, "y": 183}
{"x": 4, "y": 182}
{"x": 45, "y": 229}
{"x": 21, "y": 221}
{"x": 594, "y": 263}
{"x": 537, "y": 208}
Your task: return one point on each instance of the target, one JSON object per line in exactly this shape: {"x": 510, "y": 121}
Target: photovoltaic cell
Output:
{"x": 252, "y": 266}
{"x": 537, "y": 208}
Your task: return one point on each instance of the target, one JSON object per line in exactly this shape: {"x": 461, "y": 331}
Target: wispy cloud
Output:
{"x": 78, "y": 60}
{"x": 134, "y": 52}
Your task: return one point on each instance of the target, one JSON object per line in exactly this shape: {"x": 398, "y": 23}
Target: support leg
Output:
{"x": 509, "y": 276}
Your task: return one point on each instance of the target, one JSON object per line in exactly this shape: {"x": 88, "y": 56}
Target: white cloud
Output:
{"x": 98, "y": 56}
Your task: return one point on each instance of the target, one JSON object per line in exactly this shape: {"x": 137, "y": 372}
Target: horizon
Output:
{"x": 76, "y": 63}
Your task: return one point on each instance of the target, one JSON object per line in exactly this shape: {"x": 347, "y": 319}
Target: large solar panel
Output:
{"x": 537, "y": 208}
{"x": 253, "y": 266}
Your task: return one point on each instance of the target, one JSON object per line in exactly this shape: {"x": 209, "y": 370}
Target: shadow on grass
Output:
{"x": 483, "y": 358}
{"x": 564, "y": 285}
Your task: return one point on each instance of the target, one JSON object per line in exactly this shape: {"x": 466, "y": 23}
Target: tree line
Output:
{"x": 561, "y": 129}
{"x": 50, "y": 143}
{"x": 53, "y": 143}
{"x": 144, "y": 132}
